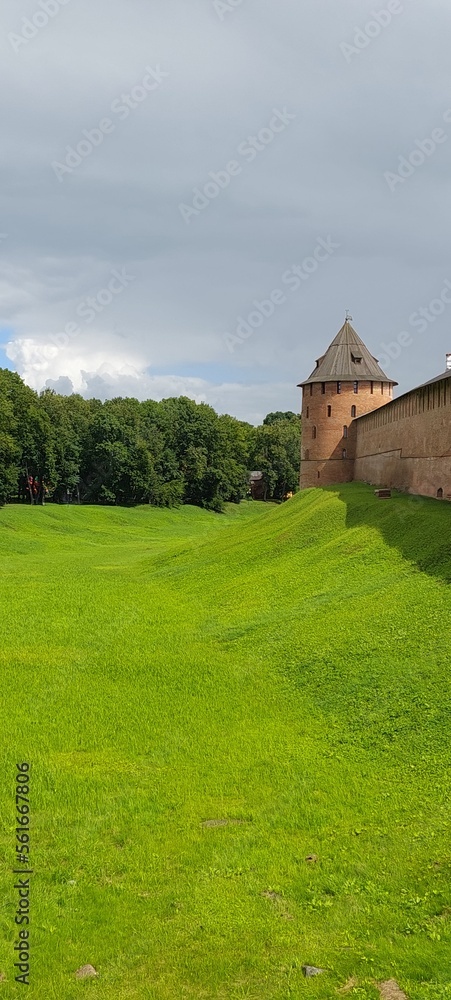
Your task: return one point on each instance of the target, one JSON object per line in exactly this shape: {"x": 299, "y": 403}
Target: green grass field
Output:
{"x": 285, "y": 668}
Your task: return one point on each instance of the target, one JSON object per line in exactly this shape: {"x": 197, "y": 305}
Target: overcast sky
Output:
{"x": 301, "y": 112}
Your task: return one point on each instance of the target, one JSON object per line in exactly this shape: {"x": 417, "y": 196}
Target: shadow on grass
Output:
{"x": 419, "y": 527}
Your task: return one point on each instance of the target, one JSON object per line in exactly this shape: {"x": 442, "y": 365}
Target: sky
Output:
{"x": 166, "y": 166}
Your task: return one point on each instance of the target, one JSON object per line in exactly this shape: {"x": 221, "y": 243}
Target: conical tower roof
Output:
{"x": 346, "y": 360}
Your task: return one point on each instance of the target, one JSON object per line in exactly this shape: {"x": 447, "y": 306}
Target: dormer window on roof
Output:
{"x": 339, "y": 362}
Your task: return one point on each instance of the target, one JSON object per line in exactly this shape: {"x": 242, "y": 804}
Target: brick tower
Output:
{"x": 346, "y": 383}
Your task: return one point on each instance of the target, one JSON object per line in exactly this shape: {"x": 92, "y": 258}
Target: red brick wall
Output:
{"x": 322, "y": 463}
{"x": 407, "y": 444}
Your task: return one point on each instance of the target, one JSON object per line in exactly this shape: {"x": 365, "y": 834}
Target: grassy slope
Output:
{"x": 285, "y": 666}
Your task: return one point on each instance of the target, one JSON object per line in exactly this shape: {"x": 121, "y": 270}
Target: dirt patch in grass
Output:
{"x": 350, "y": 985}
{"x": 223, "y": 822}
{"x": 279, "y": 902}
{"x": 391, "y": 991}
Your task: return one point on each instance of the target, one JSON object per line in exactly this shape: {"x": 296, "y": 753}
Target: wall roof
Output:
{"x": 339, "y": 362}
{"x": 391, "y": 402}
{"x": 438, "y": 378}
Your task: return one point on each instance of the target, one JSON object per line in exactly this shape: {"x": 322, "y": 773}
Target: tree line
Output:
{"x": 123, "y": 451}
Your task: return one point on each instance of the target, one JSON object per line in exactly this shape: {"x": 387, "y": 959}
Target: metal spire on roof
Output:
{"x": 348, "y": 317}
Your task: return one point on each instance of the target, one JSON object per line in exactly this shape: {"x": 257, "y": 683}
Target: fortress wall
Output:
{"x": 407, "y": 443}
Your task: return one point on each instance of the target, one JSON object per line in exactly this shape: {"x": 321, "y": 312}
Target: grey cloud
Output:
{"x": 323, "y": 175}
{"x": 61, "y": 385}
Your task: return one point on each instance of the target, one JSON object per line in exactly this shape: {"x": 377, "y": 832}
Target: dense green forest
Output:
{"x": 122, "y": 451}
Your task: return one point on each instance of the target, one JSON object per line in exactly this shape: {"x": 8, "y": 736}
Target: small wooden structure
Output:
{"x": 383, "y": 494}
{"x": 257, "y": 485}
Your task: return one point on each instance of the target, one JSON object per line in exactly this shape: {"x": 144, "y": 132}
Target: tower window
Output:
{"x": 311, "y": 388}
{"x": 353, "y": 411}
{"x": 313, "y": 432}
{"x": 323, "y": 387}
{"x": 356, "y": 386}
{"x": 338, "y": 387}
{"x": 345, "y": 431}
{"x": 329, "y": 411}
{"x": 319, "y": 474}
{"x": 372, "y": 388}
{"x": 357, "y": 361}
{"x": 440, "y": 493}
{"x": 308, "y": 411}
{"x": 344, "y": 453}
{"x": 382, "y": 388}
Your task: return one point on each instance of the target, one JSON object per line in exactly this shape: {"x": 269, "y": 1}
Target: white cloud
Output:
{"x": 117, "y": 377}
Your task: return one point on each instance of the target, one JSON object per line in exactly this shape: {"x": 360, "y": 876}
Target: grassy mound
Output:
{"x": 206, "y": 702}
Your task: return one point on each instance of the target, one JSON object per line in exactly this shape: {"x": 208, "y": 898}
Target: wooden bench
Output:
{"x": 383, "y": 494}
